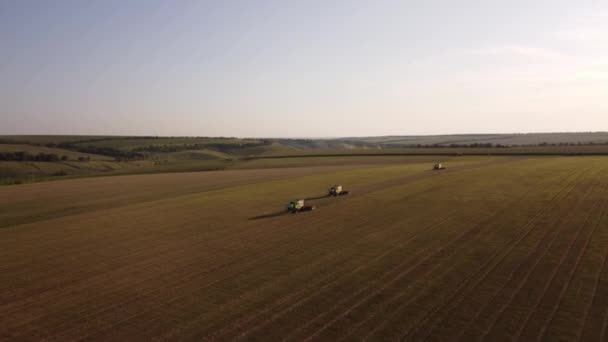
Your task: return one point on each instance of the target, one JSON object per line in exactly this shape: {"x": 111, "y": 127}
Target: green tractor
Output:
{"x": 337, "y": 190}
{"x": 298, "y": 206}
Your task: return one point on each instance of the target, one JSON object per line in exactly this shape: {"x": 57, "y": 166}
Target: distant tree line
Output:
{"x": 221, "y": 147}
{"x": 118, "y": 155}
{"x": 490, "y": 145}
{"x": 590, "y": 143}
{"x": 454, "y": 145}
{"x": 90, "y": 149}
{"x": 478, "y": 145}
{"x": 25, "y": 156}
{"x": 169, "y": 148}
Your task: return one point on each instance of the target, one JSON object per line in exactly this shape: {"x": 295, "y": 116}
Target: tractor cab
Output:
{"x": 295, "y": 206}
{"x": 335, "y": 190}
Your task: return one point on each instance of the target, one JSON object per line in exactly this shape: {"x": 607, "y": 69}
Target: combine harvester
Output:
{"x": 298, "y": 206}
{"x": 337, "y": 190}
{"x": 438, "y": 167}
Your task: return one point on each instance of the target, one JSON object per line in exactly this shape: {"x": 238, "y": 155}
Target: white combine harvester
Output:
{"x": 337, "y": 190}
{"x": 297, "y": 206}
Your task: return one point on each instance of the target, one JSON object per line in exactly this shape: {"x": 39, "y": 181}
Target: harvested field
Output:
{"x": 501, "y": 248}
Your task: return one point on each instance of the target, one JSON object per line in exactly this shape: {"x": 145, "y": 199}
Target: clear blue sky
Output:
{"x": 302, "y": 68}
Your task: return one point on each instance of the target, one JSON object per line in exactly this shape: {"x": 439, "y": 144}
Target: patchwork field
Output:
{"x": 493, "y": 248}
{"x": 37, "y": 158}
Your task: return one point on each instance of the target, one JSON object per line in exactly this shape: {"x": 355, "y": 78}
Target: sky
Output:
{"x": 302, "y": 68}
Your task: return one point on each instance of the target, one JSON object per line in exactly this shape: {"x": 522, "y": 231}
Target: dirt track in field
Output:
{"x": 491, "y": 250}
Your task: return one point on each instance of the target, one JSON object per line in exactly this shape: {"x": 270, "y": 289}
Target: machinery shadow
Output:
{"x": 281, "y": 213}
{"x": 316, "y": 198}
{"x": 265, "y": 216}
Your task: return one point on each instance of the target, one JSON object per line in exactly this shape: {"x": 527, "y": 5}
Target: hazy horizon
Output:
{"x": 303, "y": 69}
{"x": 310, "y": 137}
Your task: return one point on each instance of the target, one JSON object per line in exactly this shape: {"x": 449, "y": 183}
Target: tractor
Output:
{"x": 337, "y": 190}
{"x": 438, "y": 167}
{"x": 297, "y": 206}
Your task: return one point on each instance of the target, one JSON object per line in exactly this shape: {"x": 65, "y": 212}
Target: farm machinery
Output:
{"x": 438, "y": 167}
{"x": 298, "y": 206}
{"x": 337, "y": 190}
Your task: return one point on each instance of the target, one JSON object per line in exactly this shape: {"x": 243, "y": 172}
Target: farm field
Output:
{"x": 493, "y": 248}
{"x": 85, "y": 156}
{"x": 506, "y": 139}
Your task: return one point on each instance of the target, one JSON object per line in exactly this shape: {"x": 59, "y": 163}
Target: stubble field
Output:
{"x": 490, "y": 249}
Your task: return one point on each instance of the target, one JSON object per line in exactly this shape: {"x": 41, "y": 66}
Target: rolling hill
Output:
{"x": 78, "y": 156}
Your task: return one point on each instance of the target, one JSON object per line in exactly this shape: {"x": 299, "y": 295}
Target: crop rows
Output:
{"x": 487, "y": 250}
